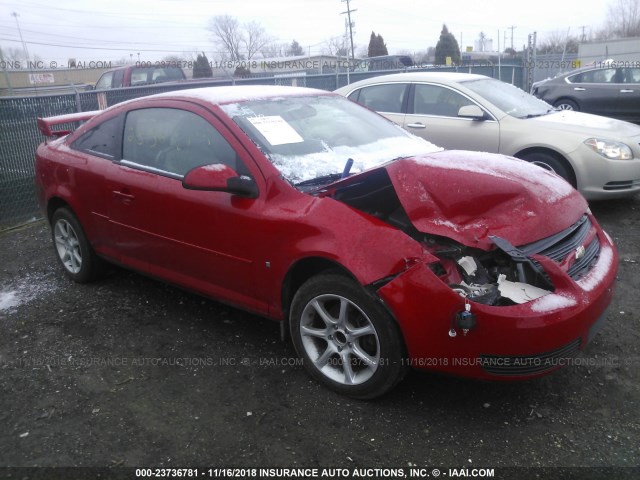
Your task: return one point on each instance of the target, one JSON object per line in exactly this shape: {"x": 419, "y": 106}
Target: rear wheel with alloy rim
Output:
{"x": 346, "y": 339}
{"x": 73, "y": 250}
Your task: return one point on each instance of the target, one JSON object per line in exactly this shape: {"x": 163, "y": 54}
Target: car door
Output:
{"x": 198, "y": 239}
{"x": 95, "y": 151}
{"x": 629, "y": 95}
{"x": 596, "y": 91}
{"x": 389, "y": 99}
{"x": 432, "y": 113}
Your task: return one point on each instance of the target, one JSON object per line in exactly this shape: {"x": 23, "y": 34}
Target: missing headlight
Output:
{"x": 493, "y": 277}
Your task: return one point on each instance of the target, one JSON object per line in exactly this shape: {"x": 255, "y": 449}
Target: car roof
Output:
{"x": 586, "y": 68}
{"x": 237, "y": 93}
{"x": 423, "y": 77}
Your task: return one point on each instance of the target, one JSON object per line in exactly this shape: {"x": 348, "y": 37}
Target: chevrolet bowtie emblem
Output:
{"x": 580, "y": 252}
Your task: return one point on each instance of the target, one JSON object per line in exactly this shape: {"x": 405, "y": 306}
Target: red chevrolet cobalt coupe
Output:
{"x": 373, "y": 248}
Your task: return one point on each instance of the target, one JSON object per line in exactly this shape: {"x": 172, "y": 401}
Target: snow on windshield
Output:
{"x": 298, "y": 168}
{"x": 508, "y": 98}
{"x": 307, "y": 137}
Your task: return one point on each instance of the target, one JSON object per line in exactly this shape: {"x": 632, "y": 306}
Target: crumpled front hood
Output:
{"x": 470, "y": 196}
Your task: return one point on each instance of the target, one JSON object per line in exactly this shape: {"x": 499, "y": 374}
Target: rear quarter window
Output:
{"x": 103, "y": 140}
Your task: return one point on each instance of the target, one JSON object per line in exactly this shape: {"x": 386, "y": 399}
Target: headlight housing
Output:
{"x": 609, "y": 148}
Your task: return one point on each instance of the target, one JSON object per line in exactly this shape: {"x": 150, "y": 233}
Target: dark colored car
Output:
{"x": 132, "y": 76}
{"x": 611, "y": 91}
{"x": 375, "y": 250}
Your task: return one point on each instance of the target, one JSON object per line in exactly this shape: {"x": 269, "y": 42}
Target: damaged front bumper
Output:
{"x": 509, "y": 341}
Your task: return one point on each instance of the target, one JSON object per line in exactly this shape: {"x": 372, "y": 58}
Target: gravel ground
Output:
{"x": 127, "y": 371}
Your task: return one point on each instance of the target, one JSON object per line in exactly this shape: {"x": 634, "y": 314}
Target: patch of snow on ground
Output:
{"x": 8, "y": 299}
{"x": 24, "y": 290}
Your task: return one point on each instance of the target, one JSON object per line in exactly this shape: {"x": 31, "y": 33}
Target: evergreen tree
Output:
{"x": 373, "y": 42}
{"x": 447, "y": 46}
{"x": 201, "y": 68}
{"x": 382, "y": 47}
{"x": 242, "y": 71}
{"x": 377, "y": 47}
{"x": 295, "y": 50}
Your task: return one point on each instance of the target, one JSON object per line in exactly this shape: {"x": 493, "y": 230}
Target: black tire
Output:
{"x": 364, "y": 337}
{"x": 566, "y": 104}
{"x": 72, "y": 248}
{"x": 551, "y": 163}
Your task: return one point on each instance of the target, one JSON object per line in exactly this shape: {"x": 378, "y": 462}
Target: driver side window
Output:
{"x": 174, "y": 141}
{"x": 105, "y": 81}
{"x": 437, "y": 100}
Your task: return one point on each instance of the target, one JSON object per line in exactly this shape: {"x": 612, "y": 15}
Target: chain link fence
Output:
{"x": 20, "y": 137}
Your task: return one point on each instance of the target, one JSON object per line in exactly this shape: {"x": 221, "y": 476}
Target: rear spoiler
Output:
{"x": 45, "y": 124}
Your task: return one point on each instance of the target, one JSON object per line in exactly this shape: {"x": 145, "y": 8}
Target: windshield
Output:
{"x": 311, "y": 137}
{"x": 509, "y": 99}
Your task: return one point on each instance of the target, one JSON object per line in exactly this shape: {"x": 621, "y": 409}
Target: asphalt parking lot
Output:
{"x": 127, "y": 371}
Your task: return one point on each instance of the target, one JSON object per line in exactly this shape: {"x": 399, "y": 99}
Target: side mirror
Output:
{"x": 473, "y": 112}
{"x": 220, "y": 178}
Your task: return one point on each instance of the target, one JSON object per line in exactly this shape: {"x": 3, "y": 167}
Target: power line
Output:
{"x": 114, "y": 42}
{"x": 93, "y": 48}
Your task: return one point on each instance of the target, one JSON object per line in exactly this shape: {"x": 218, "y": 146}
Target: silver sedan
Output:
{"x": 599, "y": 156}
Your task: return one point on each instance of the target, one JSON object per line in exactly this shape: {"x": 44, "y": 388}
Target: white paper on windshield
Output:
{"x": 276, "y": 130}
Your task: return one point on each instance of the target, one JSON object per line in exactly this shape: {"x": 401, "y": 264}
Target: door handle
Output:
{"x": 125, "y": 197}
{"x": 416, "y": 125}
{"x": 579, "y": 89}
{"x": 626, "y": 91}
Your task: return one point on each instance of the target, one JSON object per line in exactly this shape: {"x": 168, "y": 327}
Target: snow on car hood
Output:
{"x": 587, "y": 124}
{"x": 470, "y": 196}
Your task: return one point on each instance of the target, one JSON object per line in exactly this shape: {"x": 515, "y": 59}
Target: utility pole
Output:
{"x": 531, "y": 59}
{"x": 511, "y": 28}
{"x": 24, "y": 45}
{"x": 6, "y": 74}
{"x": 583, "y": 38}
{"x": 348, "y": 12}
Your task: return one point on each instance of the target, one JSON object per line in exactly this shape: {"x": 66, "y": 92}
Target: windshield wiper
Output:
{"x": 347, "y": 168}
{"x": 326, "y": 179}
{"x": 323, "y": 180}
{"x": 533, "y": 115}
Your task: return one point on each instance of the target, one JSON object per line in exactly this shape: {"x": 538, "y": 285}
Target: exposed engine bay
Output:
{"x": 501, "y": 276}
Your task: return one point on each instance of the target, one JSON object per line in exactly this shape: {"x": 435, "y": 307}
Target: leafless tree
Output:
{"x": 274, "y": 50}
{"x": 237, "y": 41}
{"x": 623, "y": 19}
{"x": 228, "y": 36}
{"x": 558, "y": 41}
{"x": 255, "y": 38}
{"x": 335, "y": 46}
{"x": 13, "y": 55}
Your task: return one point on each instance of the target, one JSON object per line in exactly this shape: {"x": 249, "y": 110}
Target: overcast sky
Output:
{"x": 115, "y": 29}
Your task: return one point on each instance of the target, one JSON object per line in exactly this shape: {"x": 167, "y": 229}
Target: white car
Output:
{"x": 599, "y": 156}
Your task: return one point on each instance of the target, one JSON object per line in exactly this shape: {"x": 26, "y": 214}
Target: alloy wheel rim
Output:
{"x": 340, "y": 339}
{"x": 68, "y": 246}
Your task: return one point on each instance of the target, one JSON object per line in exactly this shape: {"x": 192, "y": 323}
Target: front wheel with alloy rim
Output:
{"x": 73, "y": 250}
{"x": 566, "y": 104}
{"x": 347, "y": 340}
